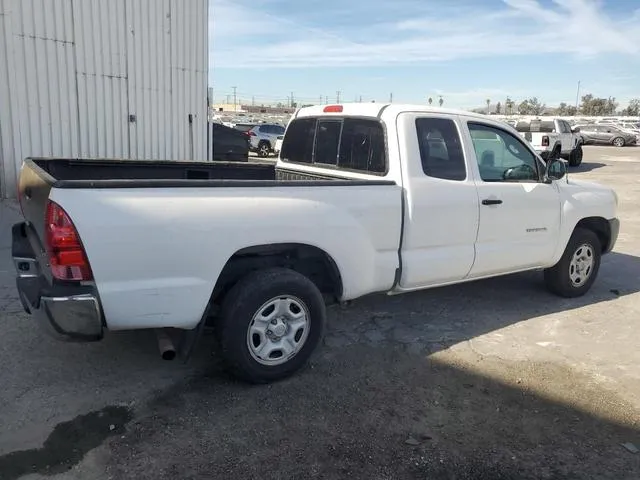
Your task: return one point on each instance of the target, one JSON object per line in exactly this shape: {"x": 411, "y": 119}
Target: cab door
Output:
{"x": 519, "y": 213}
{"x": 441, "y": 201}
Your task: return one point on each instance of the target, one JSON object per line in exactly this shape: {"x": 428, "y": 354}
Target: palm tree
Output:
{"x": 441, "y": 101}
{"x": 488, "y": 103}
{"x": 430, "y": 100}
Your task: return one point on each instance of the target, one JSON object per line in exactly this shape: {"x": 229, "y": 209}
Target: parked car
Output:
{"x": 229, "y": 144}
{"x": 263, "y": 138}
{"x": 365, "y": 198}
{"x": 553, "y": 139}
{"x": 244, "y": 127}
{"x": 605, "y": 134}
{"x": 631, "y": 127}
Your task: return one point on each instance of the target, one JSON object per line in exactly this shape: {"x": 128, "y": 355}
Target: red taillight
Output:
{"x": 332, "y": 109}
{"x": 66, "y": 254}
{"x": 251, "y": 134}
{"x": 545, "y": 141}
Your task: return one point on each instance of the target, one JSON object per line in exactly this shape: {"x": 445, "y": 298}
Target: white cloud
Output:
{"x": 255, "y": 37}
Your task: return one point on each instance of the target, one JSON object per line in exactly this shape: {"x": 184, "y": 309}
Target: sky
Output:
{"x": 466, "y": 51}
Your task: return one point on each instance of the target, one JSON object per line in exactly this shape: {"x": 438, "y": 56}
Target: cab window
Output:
{"x": 501, "y": 156}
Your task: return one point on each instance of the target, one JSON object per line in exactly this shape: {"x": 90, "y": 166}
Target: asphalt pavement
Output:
{"x": 494, "y": 379}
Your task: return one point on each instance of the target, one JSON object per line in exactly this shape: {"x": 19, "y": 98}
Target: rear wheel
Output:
{"x": 575, "y": 157}
{"x": 270, "y": 324}
{"x": 263, "y": 149}
{"x": 578, "y": 268}
{"x": 618, "y": 142}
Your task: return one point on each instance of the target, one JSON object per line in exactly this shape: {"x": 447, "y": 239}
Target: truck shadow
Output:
{"x": 585, "y": 167}
{"x": 384, "y": 413}
{"x": 438, "y": 318}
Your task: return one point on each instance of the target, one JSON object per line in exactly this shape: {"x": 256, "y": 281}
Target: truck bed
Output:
{"x": 84, "y": 173}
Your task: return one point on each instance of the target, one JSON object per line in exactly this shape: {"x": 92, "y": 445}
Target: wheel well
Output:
{"x": 312, "y": 262}
{"x": 600, "y": 227}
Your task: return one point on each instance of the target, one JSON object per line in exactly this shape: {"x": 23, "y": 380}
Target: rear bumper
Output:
{"x": 66, "y": 312}
{"x": 614, "y": 229}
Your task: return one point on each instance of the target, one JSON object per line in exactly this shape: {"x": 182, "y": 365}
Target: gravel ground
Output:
{"x": 489, "y": 380}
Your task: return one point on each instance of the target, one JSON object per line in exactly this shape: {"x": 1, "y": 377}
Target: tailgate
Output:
{"x": 535, "y": 139}
{"x": 33, "y": 193}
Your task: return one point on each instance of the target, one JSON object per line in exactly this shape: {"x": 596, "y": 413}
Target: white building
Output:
{"x": 102, "y": 79}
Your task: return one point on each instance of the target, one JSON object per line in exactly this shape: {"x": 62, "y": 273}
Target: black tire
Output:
{"x": 575, "y": 158}
{"x": 245, "y": 300}
{"x": 618, "y": 142}
{"x": 558, "y": 278}
{"x": 264, "y": 149}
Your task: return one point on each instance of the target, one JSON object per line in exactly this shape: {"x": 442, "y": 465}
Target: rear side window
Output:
{"x": 440, "y": 149}
{"x": 347, "y": 143}
{"x": 327, "y": 141}
{"x": 298, "y": 143}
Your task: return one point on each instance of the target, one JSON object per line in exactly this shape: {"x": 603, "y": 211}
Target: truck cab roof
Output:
{"x": 376, "y": 110}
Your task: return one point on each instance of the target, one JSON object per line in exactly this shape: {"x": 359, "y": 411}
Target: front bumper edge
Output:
{"x": 614, "y": 229}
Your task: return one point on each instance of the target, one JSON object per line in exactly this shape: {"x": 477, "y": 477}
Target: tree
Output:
{"x": 430, "y": 100}
{"x": 441, "y": 101}
{"x": 594, "y": 106}
{"x": 508, "y": 105}
{"x": 562, "y": 108}
{"x": 488, "y": 100}
{"x": 531, "y": 106}
{"x": 498, "y": 108}
{"x": 633, "y": 110}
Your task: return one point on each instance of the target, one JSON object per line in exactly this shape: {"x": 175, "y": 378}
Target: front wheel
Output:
{"x": 575, "y": 157}
{"x": 576, "y": 271}
{"x": 618, "y": 142}
{"x": 271, "y": 322}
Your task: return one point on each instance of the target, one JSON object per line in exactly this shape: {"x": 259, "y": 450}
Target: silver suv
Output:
{"x": 263, "y": 138}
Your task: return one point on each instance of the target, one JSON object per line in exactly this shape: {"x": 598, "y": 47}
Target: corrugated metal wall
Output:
{"x": 102, "y": 78}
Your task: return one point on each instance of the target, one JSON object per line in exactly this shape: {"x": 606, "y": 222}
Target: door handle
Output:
{"x": 491, "y": 201}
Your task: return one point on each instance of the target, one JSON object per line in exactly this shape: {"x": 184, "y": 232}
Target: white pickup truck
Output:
{"x": 364, "y": 198}
{"x": 553, "y": 139}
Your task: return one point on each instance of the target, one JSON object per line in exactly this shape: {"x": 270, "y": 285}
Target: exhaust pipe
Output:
{"x": 165, "y": 344}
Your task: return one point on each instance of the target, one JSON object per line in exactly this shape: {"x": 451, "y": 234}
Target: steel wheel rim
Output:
{"x": 581, "y": 265}
{"x": 278, "y": 330}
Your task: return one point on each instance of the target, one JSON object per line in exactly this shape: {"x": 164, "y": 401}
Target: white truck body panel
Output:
{"x": 156, "y": 253}
{"x": 170, "y": 284}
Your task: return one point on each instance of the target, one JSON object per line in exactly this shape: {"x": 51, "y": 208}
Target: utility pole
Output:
{"x": 235, "y": 109}
{"x": 320, "y": 99}
{"x": 391, "y": 97}
{"x": 292, "y": 102}
{"x": 577, "y": 96}
{"x": 326, "y": 99}
{"x": 360, "y": 98}
{"x": 338, "y": 96}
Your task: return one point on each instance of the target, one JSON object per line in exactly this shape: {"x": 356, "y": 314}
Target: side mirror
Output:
{"x": 556, "y": 169}
{"x": 575, "y": 129}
